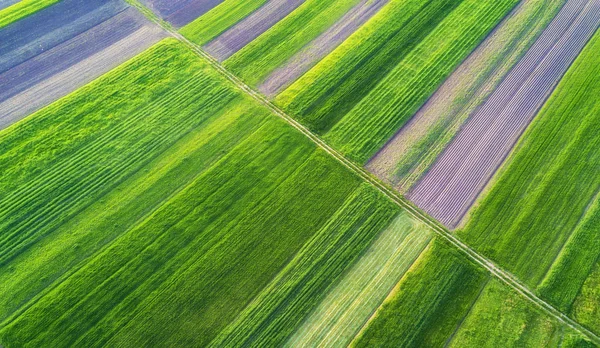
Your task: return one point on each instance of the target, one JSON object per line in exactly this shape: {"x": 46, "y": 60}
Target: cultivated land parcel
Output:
{"x": 165, "y": 203}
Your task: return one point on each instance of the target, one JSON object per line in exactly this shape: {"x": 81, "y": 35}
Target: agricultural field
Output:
{"x": 444, "y": 300}
{"x": 63, "y": 46}
{"x": 299, "y": 173}
{"x": 548, "y": 237}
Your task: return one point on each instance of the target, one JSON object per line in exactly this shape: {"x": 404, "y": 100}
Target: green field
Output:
{"x": 21, "y": 10}
{"x": 214, "y": 22}
{"x": 260, "y": 57}
{"x": 217, "y": 178}
{"x": 545, "y": 189}
{"x": 348, "y": 306}
{"x": 444, "y": 300}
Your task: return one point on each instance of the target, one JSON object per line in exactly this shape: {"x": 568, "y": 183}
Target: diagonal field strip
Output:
{"x": 505, "y": 277}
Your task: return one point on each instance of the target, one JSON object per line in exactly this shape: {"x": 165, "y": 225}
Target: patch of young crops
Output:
{"x": 260, "y": 57}
{"x": 210, "y": 25}
{"x": 283, "y": 305}
{"x": 542, "y": 194}
{"x": 180, "y": 13}
{"x": 321, "y": 97}
{"x": 388, "y": 106}
{"x": 21, "y": 10}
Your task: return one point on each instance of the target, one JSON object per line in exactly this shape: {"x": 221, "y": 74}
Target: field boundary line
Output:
{"x": 474, "y": 256}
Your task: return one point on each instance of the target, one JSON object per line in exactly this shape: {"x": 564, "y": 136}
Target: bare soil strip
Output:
{"x": 181, "y": 12}
{"x": 250, "y": 28}
{"x": 320, "y": 47}
{"x": 455, "y": 180}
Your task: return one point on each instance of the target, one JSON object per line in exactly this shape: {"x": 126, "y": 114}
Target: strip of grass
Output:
{"x": 22, "y": 9}
{"x": 259, "y": 58}
{"x": 321, "y": 97}
{"x": 429, "y": 302}
{"x": 348, "y": 306}
{"x": 502, "y": 318}
{"x": 575, "y": 262}
{"x": 214, "y": 22}
{"x": 388, "y": 106}
{"x": 542, "y": 193}
{"x": 282, "y": 306}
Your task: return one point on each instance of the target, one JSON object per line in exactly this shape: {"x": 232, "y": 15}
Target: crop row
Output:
{"x": 467, "y": 164}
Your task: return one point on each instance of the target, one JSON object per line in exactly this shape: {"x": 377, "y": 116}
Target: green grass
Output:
{"x": 348, "y": 306}
{"x": 585, "y": 308}
{"x": 259, "y": 58}
{"x": 222, "y": 197}
{"x": 282, "y": 306}
{"x": 222, "y": 17}
{"x": 22, "y": 9}
{"x": 501, "y": 318}
{"x": 429, "y": 302}
{"x": 322, "y": 96}
{"x": 76, "y": 150}
{"x": 543, "y": 191}
{"x": 395, "y": 99}
{"x": 576, "y": 260}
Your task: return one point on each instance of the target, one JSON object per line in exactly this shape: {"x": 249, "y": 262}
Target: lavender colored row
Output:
{"x": 181, "y": 12}
{"x": 39, "y": 67}
{"x": 461, "y": 172}
{"x": 248, "y": 29}
{"x": 320, "y": 47}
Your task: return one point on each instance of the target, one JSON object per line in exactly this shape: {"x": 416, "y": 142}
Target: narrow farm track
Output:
{"x": 504, "y": 276}
{"x": 455, "y": 180}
